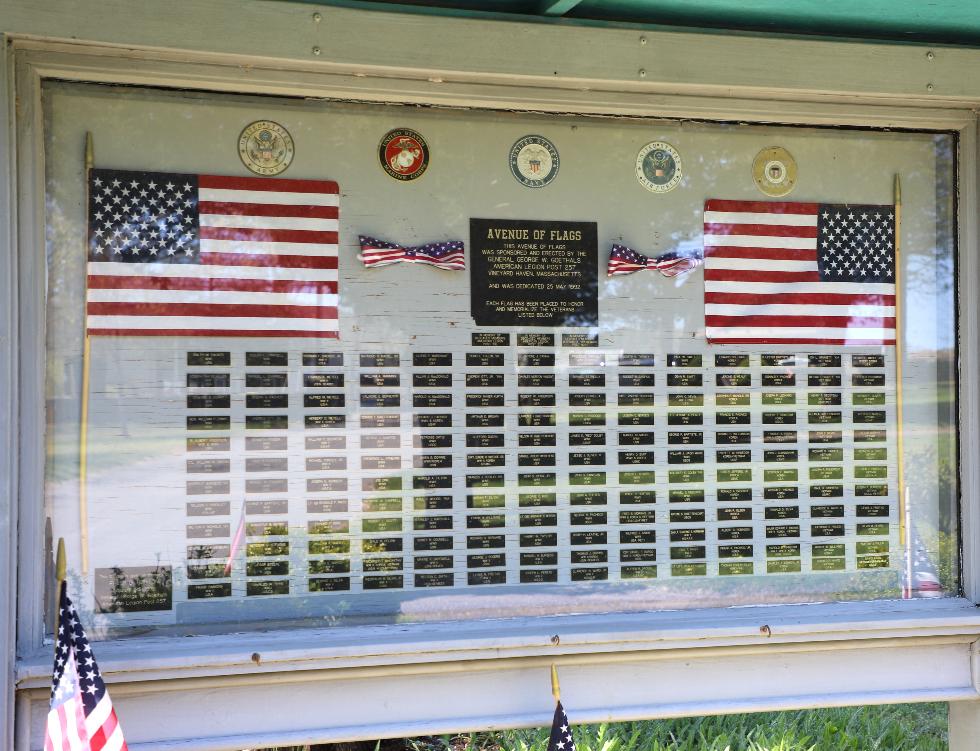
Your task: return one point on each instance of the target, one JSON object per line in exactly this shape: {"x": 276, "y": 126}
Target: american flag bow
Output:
{"x": 623, "y": 260}
{"x": 561, "y": 732}
{"x": 81, "y": 717}
{"x": 444, "y": 255}
{"x": 203, "y": 255}
{"x": 799, "y": 273}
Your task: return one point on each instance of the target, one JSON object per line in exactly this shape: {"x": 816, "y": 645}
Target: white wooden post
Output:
{"x": 964, "y": 725}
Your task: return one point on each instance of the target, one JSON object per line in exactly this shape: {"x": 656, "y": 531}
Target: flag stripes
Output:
{"x": 800, "y": 273}
{"x": 205, "y": 255}
{"x": 624, "y": 260}
{"x": 448, "y": 255}
{"x": 81, "y": 716}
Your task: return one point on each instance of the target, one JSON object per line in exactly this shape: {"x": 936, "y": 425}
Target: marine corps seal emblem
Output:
{"x": 534, "y": 161}
{"x": 403, "y": 154}
{"x": 658, "y": 167}
{"x": 774, "y": 171}
{"x": 265, "y": 147}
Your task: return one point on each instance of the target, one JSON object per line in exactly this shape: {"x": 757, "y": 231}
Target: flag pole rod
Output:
{"x": 899, "y": 336}
{"x": 555, "y": 687}
{"x": 83, "y": 421}
{"x": 909, "y": 584}
{"x": 60, "y": 573}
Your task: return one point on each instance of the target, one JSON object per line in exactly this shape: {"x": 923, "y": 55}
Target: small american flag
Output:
{"x": 200, "y": 255}
{"x": 799, "y": 273}
{"x": 81, "y": 717}
{"x": 444, "y": 255}
{"x": 561, "y": 733}
{"x": 623, "y": 260}
{"x": 236, "y": 543}
{"x": 921, "y": 577}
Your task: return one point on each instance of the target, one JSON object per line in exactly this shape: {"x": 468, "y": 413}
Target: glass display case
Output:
{"x": 313, "y": 363}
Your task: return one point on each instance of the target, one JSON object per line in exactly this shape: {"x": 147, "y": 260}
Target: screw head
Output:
{"x": 316, "y": 50}
{"x": 642, "y": 73}
{"x": 929, "y": 87}
{"x": 930, "y": 55}
{"x": 643, "y": 40}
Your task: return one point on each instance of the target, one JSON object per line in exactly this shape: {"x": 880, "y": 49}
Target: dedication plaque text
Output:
{"x": 533, "y": 273}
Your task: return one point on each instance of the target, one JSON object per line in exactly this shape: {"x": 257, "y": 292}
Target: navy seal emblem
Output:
{"x": 403, "y": 154}
{"x": 534, "y": 161}
{"x": 265, "y": 147}
{"x": 658, "y": 167}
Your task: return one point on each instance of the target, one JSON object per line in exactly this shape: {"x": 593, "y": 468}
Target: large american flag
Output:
{"x": 81, "y": 717}
{"x": 799, "y": 273}
{"x": 201, "y": 255}
{"x": 448, "y": 254}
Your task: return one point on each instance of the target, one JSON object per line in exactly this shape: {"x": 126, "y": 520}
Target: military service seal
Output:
{"x": 403, "y": 154}
{"x": 658, "y": 167}
{"x": 774, "y": 171}
{"x": 265, "y": 147}
{"x": 534, "y": 161}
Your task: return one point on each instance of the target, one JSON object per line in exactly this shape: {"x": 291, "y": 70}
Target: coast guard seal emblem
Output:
{"x": 403, "y": 154}
{"x": 658, "y": 167}
{"x": 534, "y": 161}
{"x": 265, "y": 147}
{"x": 774, "y": 171}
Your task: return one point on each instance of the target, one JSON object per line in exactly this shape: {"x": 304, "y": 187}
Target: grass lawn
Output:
{"x": 909, "y": 727}
{"x": 898, "y": 727}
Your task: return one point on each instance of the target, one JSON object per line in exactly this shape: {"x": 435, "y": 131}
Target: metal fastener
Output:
{"x": 316, "y": 50}
{"x": 643, "y": 73}
{"x": 643, "y": 40}
{"x": 929, "y": 87}
{"x": 930, "y": 55}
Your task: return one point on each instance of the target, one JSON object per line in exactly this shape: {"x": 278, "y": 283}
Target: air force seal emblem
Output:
{"x": 403, "y": 154}
{"x": 265, "y": 147}
{"x": 658, "y": 167}
{"x": 534, "y": 161}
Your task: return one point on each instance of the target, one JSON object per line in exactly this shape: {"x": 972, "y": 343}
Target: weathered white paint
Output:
{"x": 637, "y": 669}
{"x": 8, "y": 406}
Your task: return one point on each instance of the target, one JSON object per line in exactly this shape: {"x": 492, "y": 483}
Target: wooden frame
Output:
{"x": 263, "y": 689}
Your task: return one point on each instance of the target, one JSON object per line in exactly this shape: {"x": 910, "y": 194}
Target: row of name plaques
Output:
{"x": 371, "y": 471}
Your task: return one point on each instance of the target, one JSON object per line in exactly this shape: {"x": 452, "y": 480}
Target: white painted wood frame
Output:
{"x": 209, "y": 692}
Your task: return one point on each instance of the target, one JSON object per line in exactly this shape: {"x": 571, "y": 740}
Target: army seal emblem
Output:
{"x": 774, "y": 171}
{"x": 534, "y": 161}
{"x": 403, "y": 154}
{"x": 266, "y": 148}
{"x": 658, "y": 167}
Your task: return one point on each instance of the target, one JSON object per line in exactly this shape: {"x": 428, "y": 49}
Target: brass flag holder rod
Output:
{"x": 903, "y": 533}
{"x": 86, "y": 351}
{"x": 60, "y": 574}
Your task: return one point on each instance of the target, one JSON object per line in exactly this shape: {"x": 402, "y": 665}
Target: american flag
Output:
{"x": 921, "y": 577}
{"x": 561, "y": 733}
{"x": 81, "y": 717}
{"x": 201, "y": 255}
{"x": 623, "y": 260}
{"x": 236, "y": 543}
{"x": 800, "y": 273}
{"x": 445, "y": 255}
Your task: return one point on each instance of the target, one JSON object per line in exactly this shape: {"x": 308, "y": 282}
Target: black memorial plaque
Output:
{"x": 215, "y": 359}
{"x": 323, "y": 359}
{"x": 133, "y": 589}
{"x": 535, "y": 340}
{"x": 534, "y": 273}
